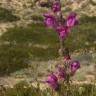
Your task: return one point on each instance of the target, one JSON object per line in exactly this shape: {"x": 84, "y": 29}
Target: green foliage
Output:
{"x": 23, "y": 89}
{"x": 88, "y": 19}
{"x": 6, "y": 15}
{"x": 12, "y": 58}
{"x": 36, "y": 42}
{"x": 36, "y": 34}
{"x": 82, "y": 37}
{"x": 18, "y": 47}
{"x": 37, "y": 17}
{"x": 31, "y": 37}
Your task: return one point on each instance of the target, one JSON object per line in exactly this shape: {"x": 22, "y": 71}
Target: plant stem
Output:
{"x": 61, "y": 48}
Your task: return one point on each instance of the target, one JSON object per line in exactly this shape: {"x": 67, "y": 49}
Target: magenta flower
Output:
{"x": 61, "y": 74}
{"x": 56, "y": 7}
{"x": 52, "y": 80}
{"x": 50, "y": 20}
{"x": 75, "y": 65}
{"x": 72, "y": 20}
{"x": 63, "y": 31}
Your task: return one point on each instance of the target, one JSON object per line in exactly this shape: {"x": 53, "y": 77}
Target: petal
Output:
{"x": 72, "y": 20}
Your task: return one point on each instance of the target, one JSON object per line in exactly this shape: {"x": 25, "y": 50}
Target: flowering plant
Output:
{"x": 66, "y": 69}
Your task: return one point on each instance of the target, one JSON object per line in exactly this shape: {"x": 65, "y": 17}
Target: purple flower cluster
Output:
{"x": 50, "y": 20}
{"x": 72, "y": 20}
{"x": 62, "y": 29}
{"x": 61, "y": 73}
{"x": 56, "y": 7}
{"x": 54, "y": 78}
{"x": 75, "y": 65}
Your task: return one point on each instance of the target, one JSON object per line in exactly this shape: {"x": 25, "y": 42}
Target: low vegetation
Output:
{"x": 23, "y": 89}
{"x": 20, "y": 45}
{"x": 7, "y": 16}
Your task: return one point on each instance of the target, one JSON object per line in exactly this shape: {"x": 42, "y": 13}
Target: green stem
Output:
{"x": 61, "y": 48}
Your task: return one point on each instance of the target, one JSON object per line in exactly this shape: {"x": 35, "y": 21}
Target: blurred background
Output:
{"x": 28, "y": 49}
